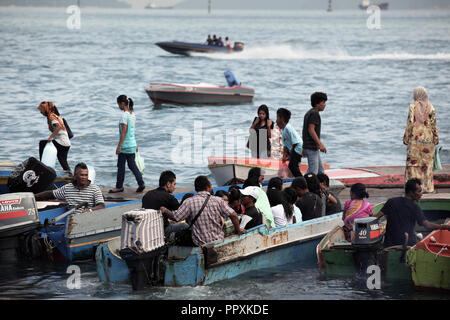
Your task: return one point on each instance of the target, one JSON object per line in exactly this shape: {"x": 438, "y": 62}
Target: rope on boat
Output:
{"x": 440, "y": 251}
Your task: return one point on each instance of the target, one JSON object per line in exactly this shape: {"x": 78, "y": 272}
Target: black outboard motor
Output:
{"x": 367, "y": 241}
{"x": 143, "y": 247}
{"x": 18, "y": 215}
{"x": 238, "y": 46}
{"x": 31, "y": 176}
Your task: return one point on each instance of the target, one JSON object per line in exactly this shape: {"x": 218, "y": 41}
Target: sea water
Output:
{"x": 368, "y": 74}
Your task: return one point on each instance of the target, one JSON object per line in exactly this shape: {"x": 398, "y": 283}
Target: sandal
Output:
{"x": 116, "y": 191}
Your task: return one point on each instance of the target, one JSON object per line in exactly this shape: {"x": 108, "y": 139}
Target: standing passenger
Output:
{"x": 59, "y": 136}
{"x": 260, "y": 133}
{"x": 312, "y": 145}
{"x": 421, "y": 135}
{"x": 127, "y": 147}
{"x": 291, "y": 141}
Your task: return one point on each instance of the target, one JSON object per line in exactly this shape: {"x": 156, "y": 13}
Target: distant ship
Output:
{"x": 154, "y": 5}
{"x": 366, "y": 3}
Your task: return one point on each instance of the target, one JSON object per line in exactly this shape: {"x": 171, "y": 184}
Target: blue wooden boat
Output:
{"x": 260, "y": 247}
{"x": 75, "y": 237}
{"x": 187, "y": 48}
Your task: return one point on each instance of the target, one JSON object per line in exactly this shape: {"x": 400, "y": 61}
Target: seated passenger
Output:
{"x": 309, "y": 203}
{"x": 234, "y": 201}
{"x": 222, "y": 194}
{"x": 207, "y": 227}
{"x": 283, "y": 209}
{"x": 333, "y": 204}
{"x": 220, "y": 42}
{"x": 274, "y": 187}
{"x": 263, "y": 202}
{"x": 228, "y": 43}
{"x": 79, "y": 191}
{"x": 314, "y": 187}
{"x": 252, "y": 216}
{"x": 209, "y": 41}
{"x": 214, "y": 40}
{"x": 254, "y": 178}
{"x": 163, "y": 197}
{"x": 356, "y": 207}
{"x": 402, "y": 215}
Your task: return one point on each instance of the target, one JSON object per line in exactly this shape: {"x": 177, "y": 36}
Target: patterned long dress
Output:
{"x": 421, "y": 138}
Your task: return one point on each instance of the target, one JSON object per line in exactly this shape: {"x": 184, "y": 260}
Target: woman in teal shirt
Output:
{"x": 127, "y": 147}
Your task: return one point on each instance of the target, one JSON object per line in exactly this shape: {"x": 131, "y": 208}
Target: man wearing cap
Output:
{"x": 252, "y": 216}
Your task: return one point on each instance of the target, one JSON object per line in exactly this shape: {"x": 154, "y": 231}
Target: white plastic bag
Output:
{"x": 49, "y": 155}
{"x": 140, "y": 162}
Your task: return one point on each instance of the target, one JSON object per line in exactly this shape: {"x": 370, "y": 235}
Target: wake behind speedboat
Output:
{"x": 186, "y": 48}
{"x": 202, "y": 93}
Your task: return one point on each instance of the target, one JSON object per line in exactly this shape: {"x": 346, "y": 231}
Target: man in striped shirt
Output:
{"x": 208, "y": 226}
{"x": 79, "y": 191}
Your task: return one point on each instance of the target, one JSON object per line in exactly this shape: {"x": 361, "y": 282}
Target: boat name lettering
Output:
{"x": 363, "y": 233}
{"x": 374, "y": 227}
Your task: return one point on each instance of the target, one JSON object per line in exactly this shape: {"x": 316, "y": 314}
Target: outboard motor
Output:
{"x": 31, "y": 176}
{"x": 238, "y": 46}
{"x": 18, "y": 215}
{"x": 367, "y": 240}
{"x": 231, "y": 79}
{"x": 143, "y": 247}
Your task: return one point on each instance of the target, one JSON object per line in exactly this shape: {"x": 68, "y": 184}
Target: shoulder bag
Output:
{"x": 184, "y": 237}
{"x": 69, "y": 132}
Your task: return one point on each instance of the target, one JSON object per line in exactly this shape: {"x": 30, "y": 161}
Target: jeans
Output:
{"x": 294, "y": 160}
{"x": 129, "y": 158}
{"x": 174, "y": 228}
{"x": 61, "y": 154}
{"x": 314, "y": 162}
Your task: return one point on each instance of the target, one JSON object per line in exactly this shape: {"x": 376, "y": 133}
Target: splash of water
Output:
{"x": 288, "y": 52}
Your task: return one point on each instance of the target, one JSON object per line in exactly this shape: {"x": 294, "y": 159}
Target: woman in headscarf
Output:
{"x": 356, "y": 207}
{"x": 421, "y": 135}
{"x": 58, "y": 137}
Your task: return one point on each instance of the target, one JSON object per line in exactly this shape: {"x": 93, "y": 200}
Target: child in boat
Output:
{"x": 356, "y": 207}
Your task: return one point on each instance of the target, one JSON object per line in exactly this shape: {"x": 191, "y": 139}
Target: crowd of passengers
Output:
{"x": 243, "y": 207}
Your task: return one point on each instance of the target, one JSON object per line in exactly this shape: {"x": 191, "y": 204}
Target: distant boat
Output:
{"x": 202, "y": 93}
{"x": 198, "y": 94}
{"x": 154, "y": 5}
{"x": 186, "y": 48}
{"x": 366, "y": 3}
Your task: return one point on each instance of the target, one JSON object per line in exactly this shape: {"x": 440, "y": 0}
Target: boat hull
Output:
{"x": 259, "y": 248}
{"x": 190, "y": 94}
{"x": 384, "y": 176}
{"x": 340, "y": 259}
{"x": 430, "y": 262}
{"x": 187, "y": 48}
{"x": 225, "y": 169}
